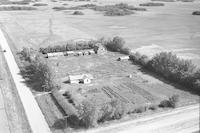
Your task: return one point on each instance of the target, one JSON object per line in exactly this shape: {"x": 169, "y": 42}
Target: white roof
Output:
{"x": 78, "y": 77}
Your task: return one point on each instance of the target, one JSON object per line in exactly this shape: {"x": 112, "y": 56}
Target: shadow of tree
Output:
{"x": 31, "y": 77}
{"x": 167, "y": 81}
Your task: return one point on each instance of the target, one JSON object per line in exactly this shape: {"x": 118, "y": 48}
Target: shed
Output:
{"x": 55, "y": 54}
{"x": 70, "y": 53}
{"x": 123, "y": 58}
{"x": 91, "y": 52}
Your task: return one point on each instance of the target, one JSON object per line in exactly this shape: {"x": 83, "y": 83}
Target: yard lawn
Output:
{"x": 111, "y": 76}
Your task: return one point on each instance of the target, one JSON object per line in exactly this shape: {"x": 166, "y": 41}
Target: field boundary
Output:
{"x": 33, "y": 113}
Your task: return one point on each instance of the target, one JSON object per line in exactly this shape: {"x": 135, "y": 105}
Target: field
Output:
{"x": 171, "y": 27}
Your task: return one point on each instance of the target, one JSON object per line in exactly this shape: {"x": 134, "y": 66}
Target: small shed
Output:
{"x": 68, "y": 53}
{"x": 91, "y": 52}
{"x": 123, "y": 58}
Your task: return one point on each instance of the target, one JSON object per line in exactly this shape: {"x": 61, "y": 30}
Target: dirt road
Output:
{"x": 181, "y": 120}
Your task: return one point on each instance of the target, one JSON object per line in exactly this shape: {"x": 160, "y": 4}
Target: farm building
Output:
{"x": 55, "y": 54}
{"x": 90, "y": 52}
{"x": 76, "y": 79}
{"x": 123, "y": 58}
{"x": 99, "y": 49}
{"x": 68, "y": 53}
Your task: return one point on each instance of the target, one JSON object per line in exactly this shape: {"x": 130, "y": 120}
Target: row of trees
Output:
{"x": 172, "y": 68}
{"x": 36, "y": 72}
{"x": 68, "y": 46}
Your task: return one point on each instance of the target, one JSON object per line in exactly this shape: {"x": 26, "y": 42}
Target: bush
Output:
{"x": 16, "y": 8}
{"x": 68, "y": 108}
{"x": 112, "y": 111}
{"x": 153, "y": 107}
{"x": 60, "y": 8}
{"x": 40, "y": 4}
{"x": 118, "y": 12}
{"x": 118, "y": 109}
{"x": 78, "y": 13}
{"x": 140, "y": 59}
{"x": 115, "y": 45}
{"x": 140, "y": 109}
{"x": 60, "y": 124}
{"x": 88, "y": 114}
{"x": 126, "y": 51}
{"x": 196, "y": 13}
{"x": 164, "y": 104}
{"x": 152, "y": 4}
{"x": 174, "y": 101}
{"x": 170, "y": 103}
{"x": 139, "y": 9}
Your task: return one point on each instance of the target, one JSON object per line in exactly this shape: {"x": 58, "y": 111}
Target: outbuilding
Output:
{"x": 123, "y": 58}
{"x": 55, "y": 54}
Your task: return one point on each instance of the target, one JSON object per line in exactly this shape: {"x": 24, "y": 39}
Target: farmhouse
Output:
{"x": 84, "y": 79}
{"x": 123, "y": 58}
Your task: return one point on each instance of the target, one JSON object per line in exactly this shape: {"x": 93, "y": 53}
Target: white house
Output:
{"x": 76, "y": 79}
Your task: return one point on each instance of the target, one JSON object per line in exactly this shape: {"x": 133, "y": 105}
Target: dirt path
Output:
{"x": 32, "y": 110}
{"x": 181, "y": 120}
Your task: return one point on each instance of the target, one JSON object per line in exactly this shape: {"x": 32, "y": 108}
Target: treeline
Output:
{"x": 172, "y": 68}
{"x": 36, "y": 72}
{"x": 115, "y": 44}
{"x": 69, "y": 46}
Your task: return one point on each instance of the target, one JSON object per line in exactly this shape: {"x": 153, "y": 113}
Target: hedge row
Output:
{"x": 68, "y": 47}
{"x": 64, "y": 103}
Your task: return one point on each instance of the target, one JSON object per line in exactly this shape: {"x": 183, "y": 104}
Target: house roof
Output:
{"x": 78, "y": 77}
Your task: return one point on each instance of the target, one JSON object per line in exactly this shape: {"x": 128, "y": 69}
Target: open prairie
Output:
{"x": 171, "y": 27}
